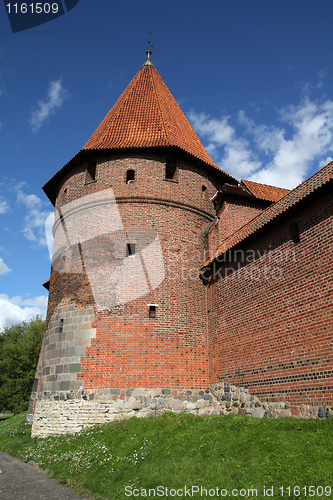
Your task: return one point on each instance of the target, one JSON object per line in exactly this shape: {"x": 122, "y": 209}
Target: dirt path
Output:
{"x": 22, "y": 481}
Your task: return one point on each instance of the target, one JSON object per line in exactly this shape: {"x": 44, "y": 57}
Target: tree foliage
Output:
{"x": 19, "y": 351}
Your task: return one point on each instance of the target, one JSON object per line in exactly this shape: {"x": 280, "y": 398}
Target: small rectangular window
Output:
{"x": 152, "y": 311}
{"x": 294, "y": 232}
{"x": 171, "y": 170}
{"x": 130, "y": 176}
{"x": 91, "y": 172}
{"x": 130, "y": 249}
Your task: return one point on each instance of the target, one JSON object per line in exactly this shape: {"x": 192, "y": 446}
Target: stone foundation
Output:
{"x": 70, "y": 412}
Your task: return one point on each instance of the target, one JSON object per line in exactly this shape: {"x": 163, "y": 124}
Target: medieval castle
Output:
{"x": 174, "y": 286}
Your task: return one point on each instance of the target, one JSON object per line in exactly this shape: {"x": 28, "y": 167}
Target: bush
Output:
{"x": 19, "y": 351}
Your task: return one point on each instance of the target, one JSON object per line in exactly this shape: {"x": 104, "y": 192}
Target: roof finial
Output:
{"x": 149, "y": 42}
{"x": 148, "y": 60}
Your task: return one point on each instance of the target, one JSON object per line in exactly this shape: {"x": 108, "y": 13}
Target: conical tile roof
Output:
{"x": 147, "y": 115}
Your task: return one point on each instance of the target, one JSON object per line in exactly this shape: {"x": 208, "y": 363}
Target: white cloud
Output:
{"x": 4, "y": 206}
{"x": 280, "y": 156}
{"x": 34, "y": 220}
{"x": 4, "y": 269}
{"x": 56, "y": 96}
{"x": 238, "y": 159}
{"x": 14, "y": 310}
{"x": 321, "y": 77}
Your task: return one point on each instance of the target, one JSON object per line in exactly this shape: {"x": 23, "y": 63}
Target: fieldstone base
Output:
{"x": 70, "y": 412}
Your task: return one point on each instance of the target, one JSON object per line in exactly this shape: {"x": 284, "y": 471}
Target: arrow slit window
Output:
{"x": 171, "y": 170}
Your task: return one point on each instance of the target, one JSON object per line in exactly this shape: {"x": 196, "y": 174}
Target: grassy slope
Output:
{"x": 177, "y": 450}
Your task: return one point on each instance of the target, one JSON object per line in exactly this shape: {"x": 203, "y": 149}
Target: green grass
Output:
{"x": 174, "y": 451}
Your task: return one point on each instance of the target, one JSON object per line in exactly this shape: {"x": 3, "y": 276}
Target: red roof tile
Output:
{"x": 265, "y": 192}
{"x": 147, "y": 115}
{"x": 292, "y": 198}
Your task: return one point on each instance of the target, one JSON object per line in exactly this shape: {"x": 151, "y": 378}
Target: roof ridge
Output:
{"x": 263, "y": 184}
{"x": 158, "y": 102}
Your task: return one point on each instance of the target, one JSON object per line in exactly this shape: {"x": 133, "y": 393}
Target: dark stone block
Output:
{"x": 75, "y": 368}
{"x": 322, "y": 412}
{"x": 91, "y": 396}
{"x": 226, "y": 397}
{"x": 64, "y": 385}
{"x": 59, "y": 368}
{"x": 166, "y": 391}
{"x": 35, "y": 384}
{"x": 114, "y": 391}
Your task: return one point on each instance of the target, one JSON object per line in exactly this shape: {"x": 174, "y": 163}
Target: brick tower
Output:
{"x": 127, "y": 318}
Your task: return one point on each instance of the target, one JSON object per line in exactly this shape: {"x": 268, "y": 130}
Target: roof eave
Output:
{"x": 311, "y": 196}
{"x": 51, "y": 186}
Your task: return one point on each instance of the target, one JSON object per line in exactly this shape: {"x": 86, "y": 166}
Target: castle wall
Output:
{"x": 232, "y": 216}
{"x": 101, "y": 297}
{"x": 270, "y": 311}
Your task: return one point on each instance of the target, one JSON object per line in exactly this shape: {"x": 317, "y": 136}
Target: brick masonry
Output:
{"x": 270, "y": 310}
{"x": 263, "y": 322}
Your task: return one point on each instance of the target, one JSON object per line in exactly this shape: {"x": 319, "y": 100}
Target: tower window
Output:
{"x": 203, "y": 188}
{"x": 294, "y": 232}
{"x": 91, "y": 172}
{"x": 152, "y": 311}
{"x": 130, "y": 249}
{"x": 130, "y": 176}
{"x": 171, "y": 170}
{"x": 61, "y": 326}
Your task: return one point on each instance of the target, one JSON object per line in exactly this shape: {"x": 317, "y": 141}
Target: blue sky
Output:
{"x": 254, "y": 78}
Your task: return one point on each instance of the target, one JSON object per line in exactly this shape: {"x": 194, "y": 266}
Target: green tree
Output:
{"x": 19, "y": 351}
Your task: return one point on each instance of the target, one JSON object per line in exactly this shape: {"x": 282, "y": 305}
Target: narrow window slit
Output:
{"x": 152, "y": 311}
{"x": 171, "y": 170}
{"x": 91, "y": 172}
{"x": 130, "y": 177}
{"x": 294, "y": 232}
{"x": 130, "y": 249}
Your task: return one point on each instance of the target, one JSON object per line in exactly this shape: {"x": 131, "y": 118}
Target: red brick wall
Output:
{"x": 130, "y": 349}
{"x": 271, "y": 320}
{"x": 233, "y": 215}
